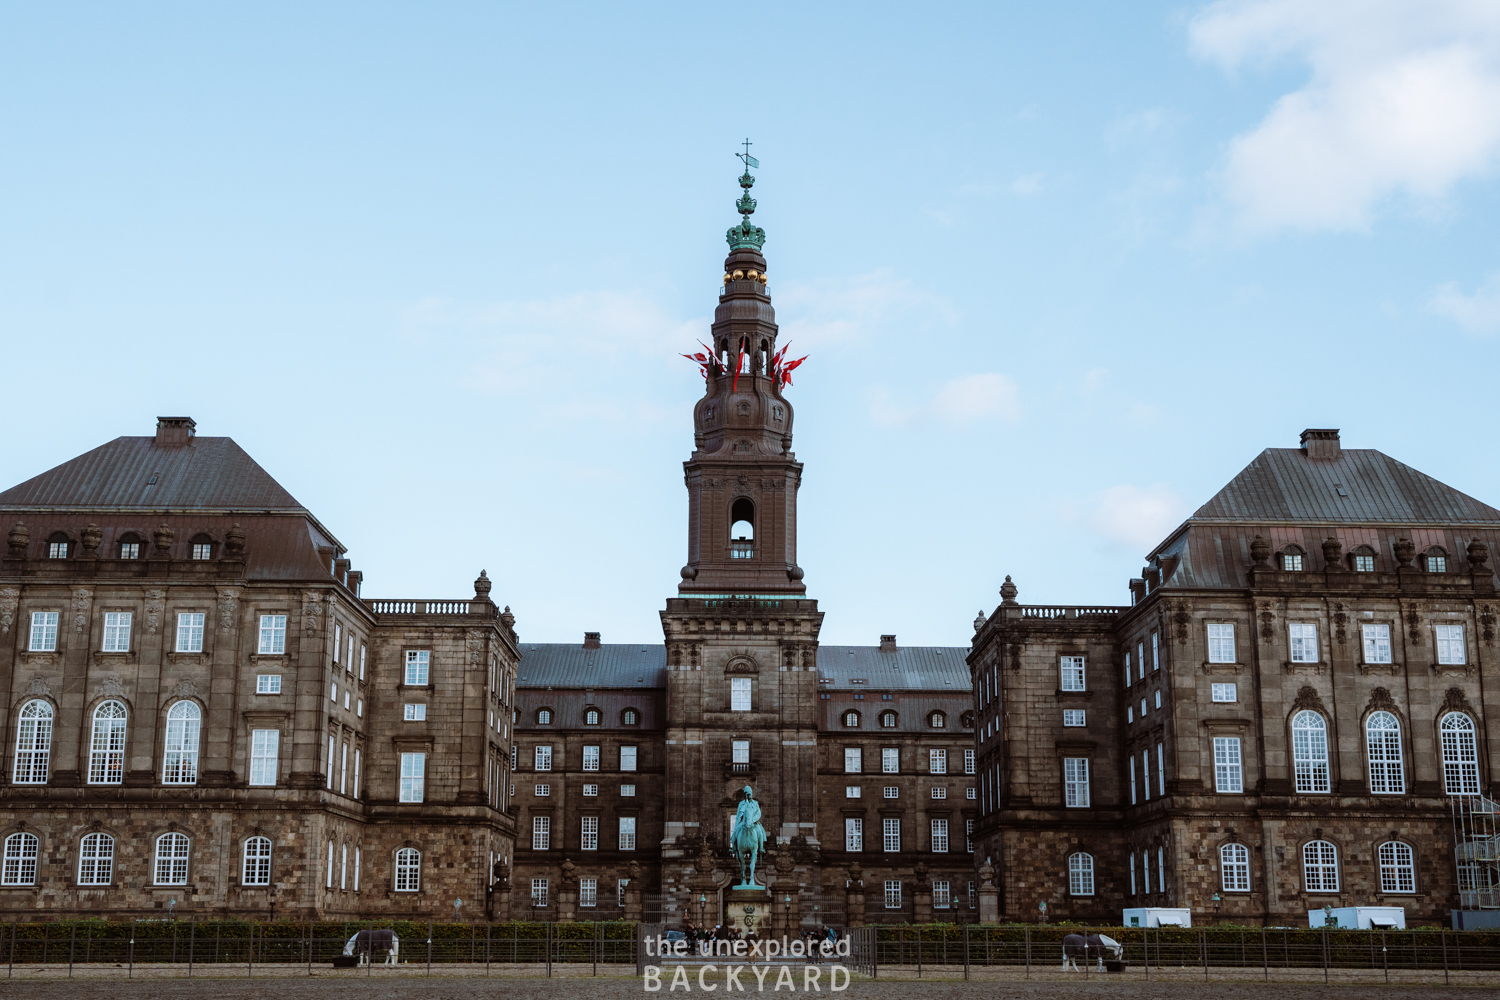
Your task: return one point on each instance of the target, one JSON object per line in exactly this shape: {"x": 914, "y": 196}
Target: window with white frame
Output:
{"x": 1291, "y": 560}
{"x": 1130, "y": 863}
{"x": 589, "y": 835}
{"x": 107, "y": 748}
{"x": 33, "y": 744}
{"x": 265, "y": 744}
{"x": 19, "y": 867}
{"x": 542, "y": 791}
{"x": 272, "y": 635}
{"x": 1383, "y": 749}
{"x": 1146, "y": 775}
{"x": 544, "y": 716}
{"x": 942, "y": 894}
{"x": 620, "y": 886}
{"x": 1225, "y": 692}
{"x": 1234, "y": 868}
{"x": 1155, "y": 652}
{"x": 740, "y": 752}
{"x": 408, "y": 870}
{"x": 1130, "y": 769}
{"x": 1304, "y": 642}
{"x": 890, "y": 760}
{"x": 418, "y": 664}
{"x": 542, "y": 758}
{"x": 43, "y": 632}
{"x": 591, "y": 758}
{"x": 627, "y": 791}
{"x": 1161, "y": 869}
{"x": 940, "y": 836}
{"x": 117, "y": 631}
{"x": 1076, "y": 782}
{"x": 1364, "y": 562}
{"x": 1310, "y": 752}
{"x": 1140, "y": 657}
{"x": 969, "y": 833}
{"x": 172, "y": 859}
{"x": 255, "y": 864}
{"x": 1146, "y": 872}
{"x": 267, "y": 683}
{"x": 937, "y": 762}
{"x": 739, "y": 694}
{"x": 1161, "y": 770}
{"x": 1377, "y": 643}
{"x": 190, "y": 632}
{"x": 892, "y": 894}
{"x": 1460, "y": 755}
{"x": 541, "y": 833}
{"x": 851, "y": 791}
{"x": 1320, "y": 867}
{"x": 1080, "y": 874}
{"x": 854, "y": 833}
{"x": 1228, "y": 773}
{"x": 627, "y": 833}
{"x": 1450, "y": 643}
{"x": 588, "y": 892}
{"x": 1073, "y": 716}
{"x": 1127, "y": 668}
{"x": 627, "y": 758}
{"x": 180, "y": 759}
{"x": 590, "y": 791}
{"x": 1072, "y": 673}
{"x": 892, "y": 791}
{"x": 539, "y": 891}
{"x": 1398, "y": 867}
{"x": 851, "y": 720}
{"x": 890, "y": 835}
{"x": 853, "y": 760}
{"x": 968, "y": 762}
{"x": 96, "y": 859}
{"x": 1221, "y": 643}
{"x": 939, "y": 792}
{"x": 1129, "y": 714}
{"x": 413, "y": 776}
{"x": 415, "y": 712}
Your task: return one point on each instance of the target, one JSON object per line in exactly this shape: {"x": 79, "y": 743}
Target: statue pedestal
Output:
{"x": 749, "y": 909}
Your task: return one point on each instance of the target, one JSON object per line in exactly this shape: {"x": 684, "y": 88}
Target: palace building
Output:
{"x": 1292, "y": 710}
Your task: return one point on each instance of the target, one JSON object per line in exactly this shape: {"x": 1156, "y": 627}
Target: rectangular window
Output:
{"x": 539, "y": 888}
{"x": 627, "y": 758}
{"x": 361, "y": 666}
{"x": 968, "y": 762}
{"x": 267, "y": 683}
{"x": 43, "y": 632}
{"x": 338, "y": 640}
{"x": 627, "y": 833}
{"x": 272, "y": 635}
{"x": 627, "y": 791}
{"x": 890, "y": 830}
{"x": 1377, "y": 643}
{"x": 1155, "y": 652}
{"x": 331, "y": 741}
{"x": 739, "y": 694}
{"x": 333, "y": 692}
{"x": 541, "y": 833}
{"x": 939, "y": 792}
{"x": 1146, "y": 872}
{"x": 1221, "y": 644}
{"x": 543, "y": 758}
{"x": 344, "y": 769}
{"x": 1131, "y": 860}
{"x": 132, "y": 550}
{"x": 591, "y": 758}
{"x": 892, "y": 894}
{"x": 892, "y": 791}
{"x": 940, "y": 836}
{"x": 1076, "y": 782}
{"x": 417, "y": 663}
{"x": 937, "y": 762}
{"x": 543, "y": 790}
{"x": 416, "y": 713}
{"x": 969, "y": 834}
{"x": 356, "y": 793}
{"x": 851, "y": 791}
{"x": 740, "y": 752}
{"x": 1072, "y": 716}
{"x": 117, "y": 631}
{"x": 264, "y": 746}
{"x": 588, "y": 892}
{"x": 854, "y": 834}
{"x": 590, "y": 835}
{"x": 1146, "y": 774}
{"x": 1140, "y": 658}
{"x": 1364, "y": 564}
{"x": 1234, "y": 864}
{"x": 1130, "y": 767}
{"x": 1450, "y": 643}
{"x": 1072, "y": 673}
{"x": 970, "y": 794}
{"x": 1127, "y": 668}
{"x": 413, "y": 776}
{"x": 620, "y": 885}
{"x": 890, "y": 760}
{"x": 1228, "y": 776}
{"x": 1161, "y": 771}
{"x": 189, "y": 633}
{"x": 344, "y": 867}
{"x": 1304, "y": 640}
{"x": 853, "y": 760}
{"x": 942, "y": 897}
{"x": 1225, "y": 692}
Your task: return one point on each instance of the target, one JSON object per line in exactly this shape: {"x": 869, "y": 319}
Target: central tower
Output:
{"x": 741, "y": 635}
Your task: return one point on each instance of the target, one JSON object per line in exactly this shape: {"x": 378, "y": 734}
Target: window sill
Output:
{"x": 1452, "y": 669}
{"x": 1212, "y": 667}
{"x": 257, "y": 657}
{"x": 1300, "y": 667}
{"x": 416, "y": 687}
{"x": 1394, "y": 669}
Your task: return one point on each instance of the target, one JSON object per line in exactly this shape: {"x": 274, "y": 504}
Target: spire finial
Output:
{"x": 744, "y": 235}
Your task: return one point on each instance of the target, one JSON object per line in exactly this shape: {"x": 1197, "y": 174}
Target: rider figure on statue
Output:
{"x": 747, "y": 837}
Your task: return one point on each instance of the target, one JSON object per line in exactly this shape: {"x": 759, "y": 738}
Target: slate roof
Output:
{"x": 1283, "y": 484}
{"x": 644, "y": 665}
{"x": 207, "y": 472}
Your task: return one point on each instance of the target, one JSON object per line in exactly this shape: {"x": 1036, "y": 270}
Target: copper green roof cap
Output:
{"x": 744, "y": 235}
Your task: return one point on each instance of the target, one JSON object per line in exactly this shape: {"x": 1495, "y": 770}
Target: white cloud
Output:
{"x": 1134, "y": 517}
{"x": 1478, "y": 313}
{"x": 963, "y": 400}
{"x": 824, "y": 313}
{"x": 1404, "y": 99}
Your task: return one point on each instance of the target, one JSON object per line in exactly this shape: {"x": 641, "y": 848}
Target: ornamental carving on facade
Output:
{"x": 185, "y": 689}
{"x": 1381, "y": 701}
{"x": 1487, "y": 624}
{"x": 81, "y": 599}
{"x": 17, "y": 540}
{"x": 1267, "y": 621}
{"x": 1340, "y": 624}
{"x": 38, "y": 688}
{"x": 153, "y": 609}
{"x": 10, "y": 599}
{"x": 1182, "y": 617}
{"x": 110, "y": 686}
{"x": 476, "y": 648}
{"x": 1455, "y": 701}
{"x": 1308, "y": 698}
{"x": 229, "y": 603}
{"x": 1414, "y": 623}
{"x": 311, "y": 610}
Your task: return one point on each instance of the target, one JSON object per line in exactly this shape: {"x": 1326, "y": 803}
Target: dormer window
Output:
{"x": 1437, "y": 560}
{"x": 630, "y": 717}
{"x": 130, "y": 546}
{"x": 544, "y": 716}
{"x": 742, "y": 529}
{"x": 887, "y": 720}
{"x": 851, "y": 720}
{"x": 57, "y": 546}
{"x": 203, "y": 547}
{"x": 966, "y": 720}
{"x": 937, "y": 720}
{"x": 1291, "y": 559}
{"x": 591, "y": 717}
{"x": 1364, "y": 559}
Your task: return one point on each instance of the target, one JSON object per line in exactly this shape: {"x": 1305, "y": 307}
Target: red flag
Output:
{"x": 739, "y": 362}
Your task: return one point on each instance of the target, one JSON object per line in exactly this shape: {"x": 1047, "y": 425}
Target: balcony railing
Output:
{"x": 481, "y": 609}
{"x": 1042, "y": 611}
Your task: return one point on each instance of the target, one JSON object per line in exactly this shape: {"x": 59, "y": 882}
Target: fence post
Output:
{"x": 309, "y": 945}
{"x": 13, "y": 928}
{"x": 1444, "y": 931}
{"x": 192, "y": 941}
{"x": 549, "y": 949}
{"x": 250, "y": 953}
{"x": 1265, "y": 958}
{"x": 966, "y": 952}
{"x": 1384, "y": 960}
{"x": 596, "y": 947}
{"x": 1203, "y": 944}
{"x": 1086, "y": 962}
{"x": 429, "y": 947}
{"x": 1325, "y": 954}
{"x": 72, "y": 946}
{"x": 130, "y": 971}
{"x": 489, "y": 929}
{"x": 1028, "y": 952}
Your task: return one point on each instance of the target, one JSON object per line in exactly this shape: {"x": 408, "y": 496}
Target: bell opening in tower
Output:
{"x": 742, "y": 529}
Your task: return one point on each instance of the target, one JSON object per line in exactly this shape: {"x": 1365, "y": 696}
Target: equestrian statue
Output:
{"x": 747, "y": 837}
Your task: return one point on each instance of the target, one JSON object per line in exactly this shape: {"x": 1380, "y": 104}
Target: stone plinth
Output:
{"x": 749, "y": 908}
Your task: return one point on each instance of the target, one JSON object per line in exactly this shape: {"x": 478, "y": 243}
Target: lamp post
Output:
{"x": 1043, "y": 907}
{"x": 702, "y": 902}
{"x": 271, "y": 897}
{"x": 788, "y": 903}
{"x": 171, "y": 905}
{"x": 1216, "y": 907}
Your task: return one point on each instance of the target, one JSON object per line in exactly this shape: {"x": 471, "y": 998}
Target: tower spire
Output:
{"x": 746, "y": 236}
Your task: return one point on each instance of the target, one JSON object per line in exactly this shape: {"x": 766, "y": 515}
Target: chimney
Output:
{"x": 1321, "y": 443}
{"x": 174, "y": 432}
{"x": 591, "y": 640}
{"x": 887, "y": 644}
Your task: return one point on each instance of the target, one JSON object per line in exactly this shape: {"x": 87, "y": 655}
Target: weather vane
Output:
{"x": 750, "y": 161}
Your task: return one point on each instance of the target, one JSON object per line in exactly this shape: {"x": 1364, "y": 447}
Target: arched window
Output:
{"x": 1436, "y": 559}
{"x": 1383, "y": 746}
{"x": 1362, "y": 559}
{"x": 58, "y": 546}
{"x": 96, "y": 859}
{"x": 172, "y": 859}
{"x": 130, "y": 545}
{"x": 107, "y": 749}
{"x": 887, "y": 720}
{"x": 180, "y": 763}
{"x": 1398, "y": 867}
{"x": 1293, "y": 559}
{"x": 33, "y": 744}
{"x": 851, "y": 720}
{"x": 1460, "y": 755}
{"x": 1310, "y": 752}
{"x": 544, "y": 716}
{"x": 408, "y": 870}
{"x": 20, "y": 860}
{"x": 202, "y": 547}
{"x": 937, "y": 720}
{"x": 1320, "y": 867}
{"x": 966, "y": 720}
{"x": 742, "y": 529}
{"x": 591, "y": 717}
{"x": 1234, "y": 868}
{"x": 257, "y": 867}
{"x": 1081, "y": 874}
{"x": 630, "y": 717}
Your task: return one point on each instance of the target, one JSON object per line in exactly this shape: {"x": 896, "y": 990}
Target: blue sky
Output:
{"x": 1062, "y": 270}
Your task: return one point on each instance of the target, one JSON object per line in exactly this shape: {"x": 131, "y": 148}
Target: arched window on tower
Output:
{"x": 742, "y": 529}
